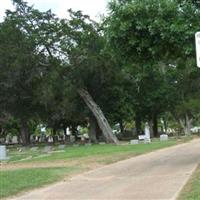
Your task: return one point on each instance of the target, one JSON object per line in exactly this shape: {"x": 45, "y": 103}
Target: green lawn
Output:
{"x": 86, "y": 151}
{"x": 14, "y": 181}
{"x": 191, "y": 190}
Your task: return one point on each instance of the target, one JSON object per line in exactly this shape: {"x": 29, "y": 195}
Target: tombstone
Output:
{"x": 62, "y": 146}
{"x": 164, "y": 137}
{"x": 88, "y": 144}
{"x": 32, "y": 139}
{"x": 141, "y": 137}
{"x": 102, "y": 143}
{"x": 147, "y": 133}
{"x": 68, "y": 131}
{"x": 47, "y": 149}
{"x": 134, "y": 142}
{"x": 2, "y": 140}
{"x": 34, "y": 148}
{"x": 7, "y": 139}
{"x": 147, "y": 130}
{"x": 75, "y": 145}
{"x": 72, "y": 138}
{"x": 3, "y": 155}
{"x": 50, "y": 139}
{"x": 14, "y": 140}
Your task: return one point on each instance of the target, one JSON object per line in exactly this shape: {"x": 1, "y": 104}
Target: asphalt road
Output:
{"x": 157, "y": 175}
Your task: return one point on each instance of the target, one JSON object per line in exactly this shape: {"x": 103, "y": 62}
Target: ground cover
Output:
{"x": 17, "y": 180}
{"x": 191, "y": 191}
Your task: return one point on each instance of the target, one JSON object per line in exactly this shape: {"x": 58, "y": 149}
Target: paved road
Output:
{"x": 157, "y": 175}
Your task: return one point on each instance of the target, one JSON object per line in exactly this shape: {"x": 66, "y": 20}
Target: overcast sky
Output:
{"x": 91, "y": 7}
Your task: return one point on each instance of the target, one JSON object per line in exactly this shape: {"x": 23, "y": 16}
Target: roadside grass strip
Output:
{"x": 191, "y": 191}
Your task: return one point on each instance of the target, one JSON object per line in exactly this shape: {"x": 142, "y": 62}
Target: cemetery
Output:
{"x": 100, "y": 105}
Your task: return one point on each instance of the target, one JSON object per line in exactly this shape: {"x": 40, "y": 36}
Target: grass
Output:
{"x": 87, "y": 151}
{"x": 191, "y": 191}
{"x": 14, "y": 181}
{"x": 38, "y": 171}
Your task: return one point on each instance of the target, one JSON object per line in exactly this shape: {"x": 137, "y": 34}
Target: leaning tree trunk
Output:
{"x": 102, "y": 121}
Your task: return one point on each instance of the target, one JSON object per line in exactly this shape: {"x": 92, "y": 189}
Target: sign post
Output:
{"x": 197, "y": 41}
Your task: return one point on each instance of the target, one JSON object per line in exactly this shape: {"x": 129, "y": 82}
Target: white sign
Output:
{"x": 197, "y": 40}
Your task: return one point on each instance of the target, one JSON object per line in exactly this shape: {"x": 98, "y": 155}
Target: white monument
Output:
{"x": 134, "y": 142}
{"x": 164, "y": 137}
{"x": 197, "y": 41}
{"x": 14, "y": 140}
{"x": 147, "y": 133}
{"x": 3, "y": 155}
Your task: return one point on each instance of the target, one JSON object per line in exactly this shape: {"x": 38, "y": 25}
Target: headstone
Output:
{"x": 68, "y": 131}
{"x": 50, "y": 139}
{"x": 72, "y": 138}
{"x": 7, "y": 139}
{"x": 76, "y": 145}
{"x": 3, "y": 155}
{"x": 102, "y": 143}
{"x": 134, "y": 142}
{"x": 88, "y": 144}
{"x": 147, "y": 131}
{"x": 2, "y": 140}
{"x": 164, "y": 137}
{"x": 141, "y": 137}
{"x": 14, "y": 140}
{"x": 32, "y": 139}
{"x": 34, "y": 148}
{"x": 47, "y": 149}
{"x": 62, "y": 146}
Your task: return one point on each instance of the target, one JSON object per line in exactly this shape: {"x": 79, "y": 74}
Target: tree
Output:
{"x": 153, "y": 37}
{"x": 62, "y": 44}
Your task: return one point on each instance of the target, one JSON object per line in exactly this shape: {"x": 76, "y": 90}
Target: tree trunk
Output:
{"x": 25, "y": 135}
{"x": 74, "y": 131}
{"x": 155, "y": 125}
{"x": 93, "y": 130}
{"x": 121, "y": 126}
{"x": 150, "y": 122}
{"x": 55, "y": 139}
{"x": 165, "y": 124}
{"x": 101, "y": 120}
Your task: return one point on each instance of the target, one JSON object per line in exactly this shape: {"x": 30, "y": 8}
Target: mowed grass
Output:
{"x": 87, "y": 151}
{"x": 191, "y": 190}
{"x": 14, "y": 181}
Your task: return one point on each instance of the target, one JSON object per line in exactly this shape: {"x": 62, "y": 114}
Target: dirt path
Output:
{"x": 157, "y": 175}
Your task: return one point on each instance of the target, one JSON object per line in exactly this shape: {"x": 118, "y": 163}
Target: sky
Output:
{"x": 94, "y": 8}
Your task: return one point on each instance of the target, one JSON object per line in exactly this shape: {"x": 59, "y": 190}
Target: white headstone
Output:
{"x": 68, "y": 131}
{"x": 164, "y": 137}
{"x": 61, "y": 146}
{"x": 7, "y": 139}
{"x": 134, "y": 142}
{"x": 14, "y": 140}
{"x": 141, "y": 137}
{"x": 197, "y": 41}
{"x": 50, "y": 139}
{"x": 3, "y": 155}
{"x": 147, "y": 131}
